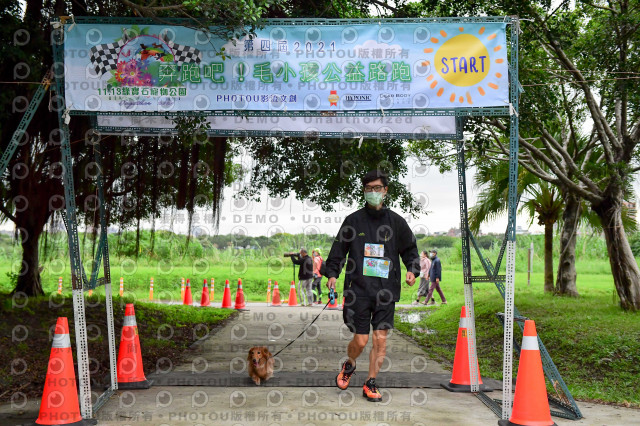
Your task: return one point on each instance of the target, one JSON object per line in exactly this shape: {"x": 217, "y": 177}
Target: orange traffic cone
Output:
{"x": 240, "y": 296}
{"x": 212, "y": 291}
{"x": 130, "y": 371}
{"x": 151, "y": 289}
{"x": 182, "y": 289}
{"x": 226, "y": 296}
{"x": 293, "y": 299}
{"x": 204, "y": 299}
{"x": 59, "y": 405}
{"x": 60, "y": 285}
{"x": 530, "y": 402}
{"x": 460, "y": 376}
{"x": 268, "y": 291}
{"x": 121, "y": 286}
{"x": 334, "y": 305}
{"x": 276, "y": 296}
{"x": 188, "y": 298}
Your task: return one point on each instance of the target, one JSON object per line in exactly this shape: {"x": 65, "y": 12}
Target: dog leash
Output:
{"x": 332, "y": 298}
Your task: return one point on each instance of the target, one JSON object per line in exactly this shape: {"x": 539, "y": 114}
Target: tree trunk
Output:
{"x": 625, "y": 271}
{"x": 566, "y": 278}
{"x": 29, "y": 279}
{"x": 548, "y": 257}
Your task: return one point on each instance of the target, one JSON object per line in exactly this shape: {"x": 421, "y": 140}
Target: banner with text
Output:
{"x": 164, "y": 69}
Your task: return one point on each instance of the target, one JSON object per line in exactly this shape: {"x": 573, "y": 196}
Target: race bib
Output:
{"x": 374, "y": 267}
{"x": 373, "y": 250}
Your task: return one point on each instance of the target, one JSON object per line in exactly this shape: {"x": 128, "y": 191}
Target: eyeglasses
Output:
{"x": 376, "y": 188}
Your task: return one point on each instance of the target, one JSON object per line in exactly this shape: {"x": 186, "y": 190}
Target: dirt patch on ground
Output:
{"x": 26, "y": 333}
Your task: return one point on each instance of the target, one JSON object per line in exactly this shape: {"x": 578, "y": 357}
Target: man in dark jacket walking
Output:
{"x": 305, "y": 277}
{"x": 374, "y": 238}
{"x": 435, "y": 275}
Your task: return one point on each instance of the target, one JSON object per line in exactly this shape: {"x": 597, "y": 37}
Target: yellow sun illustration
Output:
{"x": 461, "y": 61}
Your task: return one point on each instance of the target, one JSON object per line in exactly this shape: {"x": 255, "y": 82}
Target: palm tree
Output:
{"x": 545, "y": 202}
{"x": 541, "y": 201}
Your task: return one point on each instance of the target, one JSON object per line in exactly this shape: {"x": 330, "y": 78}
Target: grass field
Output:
{"x": 594, "y": 344}
{"x": 254, "y": 280}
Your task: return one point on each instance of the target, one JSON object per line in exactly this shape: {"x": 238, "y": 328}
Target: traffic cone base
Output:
{"x": 130, "y": 369}
{"x": 509, "y": 423}
{"x": 144, "y": 384}
{"x": 461, "y": 376}
{"x": 452, "y": 387}
{"x": 83, "y": 422}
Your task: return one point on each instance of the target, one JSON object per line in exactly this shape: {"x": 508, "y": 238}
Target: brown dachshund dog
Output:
{"x": 260, "y": 364}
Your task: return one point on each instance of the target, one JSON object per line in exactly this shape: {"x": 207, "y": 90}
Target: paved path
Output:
{"x": 322, "y": 349}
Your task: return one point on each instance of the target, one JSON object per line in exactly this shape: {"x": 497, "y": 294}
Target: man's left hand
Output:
{"x": 411, "y": 279}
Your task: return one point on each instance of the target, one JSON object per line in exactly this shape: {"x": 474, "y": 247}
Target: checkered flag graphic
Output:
{"x": 184, "y": 54}
{"x": 105, "y": 56}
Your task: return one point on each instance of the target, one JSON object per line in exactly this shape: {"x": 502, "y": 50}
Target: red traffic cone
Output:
{"x": 204, "y": 299}
{"x": 530, "y": 401}
{"x": 460, "y": 376}
{"x": 59, "y": 405}
{"x": 276, "y": 296}
{"x": 226, "y": 296}
{"x": 130, "y": 371}
{"x": 293, "y": 299}
{"x": 240, "y": 296}
{"x": 188, "y": 298}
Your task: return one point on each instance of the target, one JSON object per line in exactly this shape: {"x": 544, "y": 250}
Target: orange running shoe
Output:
{"x": 370, "y": 391}
{"x": 342, "y": 379}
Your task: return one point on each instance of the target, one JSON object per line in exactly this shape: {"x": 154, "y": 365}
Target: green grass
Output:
{"x": 254, "y": 280}
{"x": 594, "y": 344}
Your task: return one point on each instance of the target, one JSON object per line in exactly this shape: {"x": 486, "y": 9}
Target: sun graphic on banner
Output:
{"x": 462, "y": 61}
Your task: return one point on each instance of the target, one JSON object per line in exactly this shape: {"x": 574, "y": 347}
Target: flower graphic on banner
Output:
{"x": 462, "y": 61}
{"x": 143, "y": 59}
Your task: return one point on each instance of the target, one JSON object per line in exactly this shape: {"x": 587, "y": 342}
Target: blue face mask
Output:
{"x": 373, "y": 198}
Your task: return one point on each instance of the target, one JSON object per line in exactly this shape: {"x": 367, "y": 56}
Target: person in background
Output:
{"x": 425, "y": 266}
{"x": 435, "y": 275}
{"x": 305, "y": 276}
{"x": 317, "y": 277}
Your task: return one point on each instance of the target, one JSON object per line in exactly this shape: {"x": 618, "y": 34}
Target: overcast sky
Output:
{"x": 294, "y": 216}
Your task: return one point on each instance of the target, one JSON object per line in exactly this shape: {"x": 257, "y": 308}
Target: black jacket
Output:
{"x": 436, "y": 270}
{"x": 368, "y": 225}
{"x": 306, "y": 266}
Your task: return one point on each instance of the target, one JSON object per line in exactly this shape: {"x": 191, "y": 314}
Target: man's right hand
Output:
{"x": 331, "y": 284}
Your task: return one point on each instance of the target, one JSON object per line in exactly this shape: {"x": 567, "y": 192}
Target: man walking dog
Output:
{"x": 374, "y": 238}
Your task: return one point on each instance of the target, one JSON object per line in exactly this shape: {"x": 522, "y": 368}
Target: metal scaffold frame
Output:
{"x": 504, "y": 283}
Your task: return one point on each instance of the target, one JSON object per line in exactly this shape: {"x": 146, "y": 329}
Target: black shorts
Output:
{"x": 360, "y": 313}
